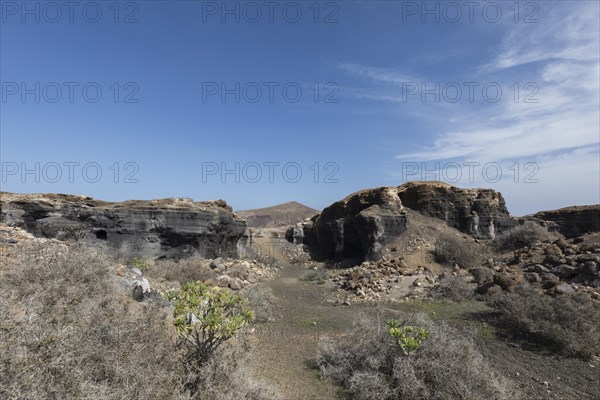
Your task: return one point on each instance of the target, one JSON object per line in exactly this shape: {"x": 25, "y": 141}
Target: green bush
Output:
{"x": 408, "y": 337}
{"x": 206, "y": 317}
{"x": 139, "y": 263}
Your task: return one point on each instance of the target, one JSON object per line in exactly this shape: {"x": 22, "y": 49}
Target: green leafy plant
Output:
{"x": 140, "y": 264}
{"x": 206, "y": 317}
{"x": 408, "y": 338}
{"x": 170, "y": 295}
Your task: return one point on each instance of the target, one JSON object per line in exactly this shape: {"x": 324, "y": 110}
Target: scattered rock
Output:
{"x": 236, "y": 284}
{"x": 482, "y": 275}
{"x": 549, "y": 280}
{"x": 504, "y": 280}
{"x": 223, "y": 281}
{"x": 565, "y": 271}
{"x": 564, "y": 288}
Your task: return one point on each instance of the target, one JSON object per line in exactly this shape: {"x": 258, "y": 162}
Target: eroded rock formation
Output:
{"x": 480, "y": 212}
{"x": 362, "y": 224}
{"x": 573, "y": 221}
{"x": 155, "y": 228}
{"x": 358, "y": 226}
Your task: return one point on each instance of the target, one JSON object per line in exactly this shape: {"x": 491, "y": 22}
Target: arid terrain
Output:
{"x": 486, "y": 305}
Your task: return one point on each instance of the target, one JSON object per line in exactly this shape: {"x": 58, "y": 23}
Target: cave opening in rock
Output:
{"x": 102, "y": 235}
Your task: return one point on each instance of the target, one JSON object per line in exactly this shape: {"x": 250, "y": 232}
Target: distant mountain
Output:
{"x": 281, "y": 215}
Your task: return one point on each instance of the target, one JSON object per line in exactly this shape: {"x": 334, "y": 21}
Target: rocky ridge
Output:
{"x": 573, "y": 221}
{"x": 174, "y": 227}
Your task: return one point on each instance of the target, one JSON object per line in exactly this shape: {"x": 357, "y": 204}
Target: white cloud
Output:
{"x": 567, "y": 31}
{"x": 380, "y": 75}
{"x": 567, "y": 115}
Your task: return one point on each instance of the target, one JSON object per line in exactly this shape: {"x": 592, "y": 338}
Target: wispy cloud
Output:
{"x": 569, "y": 31}
{"x": 379, "y": 75}
{"x": 567, "y": 114}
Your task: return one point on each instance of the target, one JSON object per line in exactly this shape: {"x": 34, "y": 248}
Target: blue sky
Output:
{"x": 499, "y": 96}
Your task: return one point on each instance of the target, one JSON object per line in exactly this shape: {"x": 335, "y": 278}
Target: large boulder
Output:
{"x": 154, "y": 228}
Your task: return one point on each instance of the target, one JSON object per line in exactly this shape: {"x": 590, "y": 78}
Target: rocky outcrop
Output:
{"x": 479, "y": 212}
{"x": 573, "y": 221}
{"x": 358, "y": 226}
{"x": 155, "y": 228}
{"x": 295, "y": 234}
{"x": 362, "y": 224}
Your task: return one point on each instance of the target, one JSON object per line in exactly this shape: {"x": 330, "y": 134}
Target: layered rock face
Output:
{"x": 480, "y": 212}
{"x": 573, "y": 221}
{"x": 362, "y": 224}
{"x": 358, "y": 226}
{"x": 154, "y": 228}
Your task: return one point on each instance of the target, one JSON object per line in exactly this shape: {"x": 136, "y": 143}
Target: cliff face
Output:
{"x": 154, "y": 228}
{"x": 479, "y": 212}
{"x": 573, "y": 221}
{"x": 362, "y": 224}
{"x": 358, "y": 226}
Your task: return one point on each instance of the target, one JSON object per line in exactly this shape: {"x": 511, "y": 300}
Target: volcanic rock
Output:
{"x": 155, "y": 228}
{"x": 573, "y": 221}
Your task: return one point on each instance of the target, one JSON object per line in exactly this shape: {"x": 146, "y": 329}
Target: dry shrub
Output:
{"x": 568, "y": 324}
{"x": 225, "y": 376}
{"x": 466, "y": 253}
{"x": 68, "y": 329}
{"x": 446, "y": 366}
{"x": 190, "y": 269}
{"x": 296, "y": 254}
{"x": 522, "y": 236}
{"x": 453, "y": 288}
{"x": 264, "y": 254}
{"x": 262, "y": 301}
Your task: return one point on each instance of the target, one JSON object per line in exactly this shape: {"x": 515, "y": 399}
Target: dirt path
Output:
{"x": 286, "y": 348}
